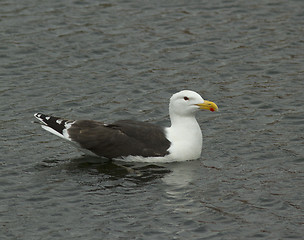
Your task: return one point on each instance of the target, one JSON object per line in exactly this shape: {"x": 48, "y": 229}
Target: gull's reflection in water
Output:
{"x": 139, "y": 173}
{"x": 175, "y": 175}
{"x": 182, "y": 173}
{"x": 177, "y": 184}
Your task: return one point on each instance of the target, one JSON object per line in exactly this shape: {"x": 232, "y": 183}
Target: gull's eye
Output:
{"x": 186, "y": 98}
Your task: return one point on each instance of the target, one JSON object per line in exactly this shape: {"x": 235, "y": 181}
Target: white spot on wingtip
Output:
{"x": 47, "y": 118}
{"x": 59, "y": 121}
{"x": 68, "y": 124}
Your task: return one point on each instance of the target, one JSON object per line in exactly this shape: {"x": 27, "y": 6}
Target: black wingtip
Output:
{"x": 42, "y": 118}
{"x": 58, "y": 124}
{"x": 37, "y": 115}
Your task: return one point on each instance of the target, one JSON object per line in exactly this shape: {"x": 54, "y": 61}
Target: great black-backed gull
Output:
{"x": 139, "y": 141}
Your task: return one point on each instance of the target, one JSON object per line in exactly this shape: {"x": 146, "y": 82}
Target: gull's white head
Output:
{"x": 186, "y": 103}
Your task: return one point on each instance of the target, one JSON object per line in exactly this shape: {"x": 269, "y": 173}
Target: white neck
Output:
{"x": 185, "y": 136}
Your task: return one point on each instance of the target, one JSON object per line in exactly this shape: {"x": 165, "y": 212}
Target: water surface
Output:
{"x": 123, "y": 59}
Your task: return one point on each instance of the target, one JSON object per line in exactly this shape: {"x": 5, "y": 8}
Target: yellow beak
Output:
{"x": 207, "y": 105}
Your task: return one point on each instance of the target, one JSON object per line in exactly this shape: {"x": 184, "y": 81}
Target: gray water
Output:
{"x": 123, "y": 59}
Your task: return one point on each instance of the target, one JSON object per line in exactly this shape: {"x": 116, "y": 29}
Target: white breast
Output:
{"x": 186, "y": 140}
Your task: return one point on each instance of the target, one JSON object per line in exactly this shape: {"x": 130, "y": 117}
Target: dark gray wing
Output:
{"x": 120, "y": 139}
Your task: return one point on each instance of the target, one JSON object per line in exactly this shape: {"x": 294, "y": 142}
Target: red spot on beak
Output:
{"x": 212, "y": 109}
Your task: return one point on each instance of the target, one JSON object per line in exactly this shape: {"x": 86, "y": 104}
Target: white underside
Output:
{"x": 146, "y": 159}
{"x": 51, "y": 130}
{"x": 165, "y": 159}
